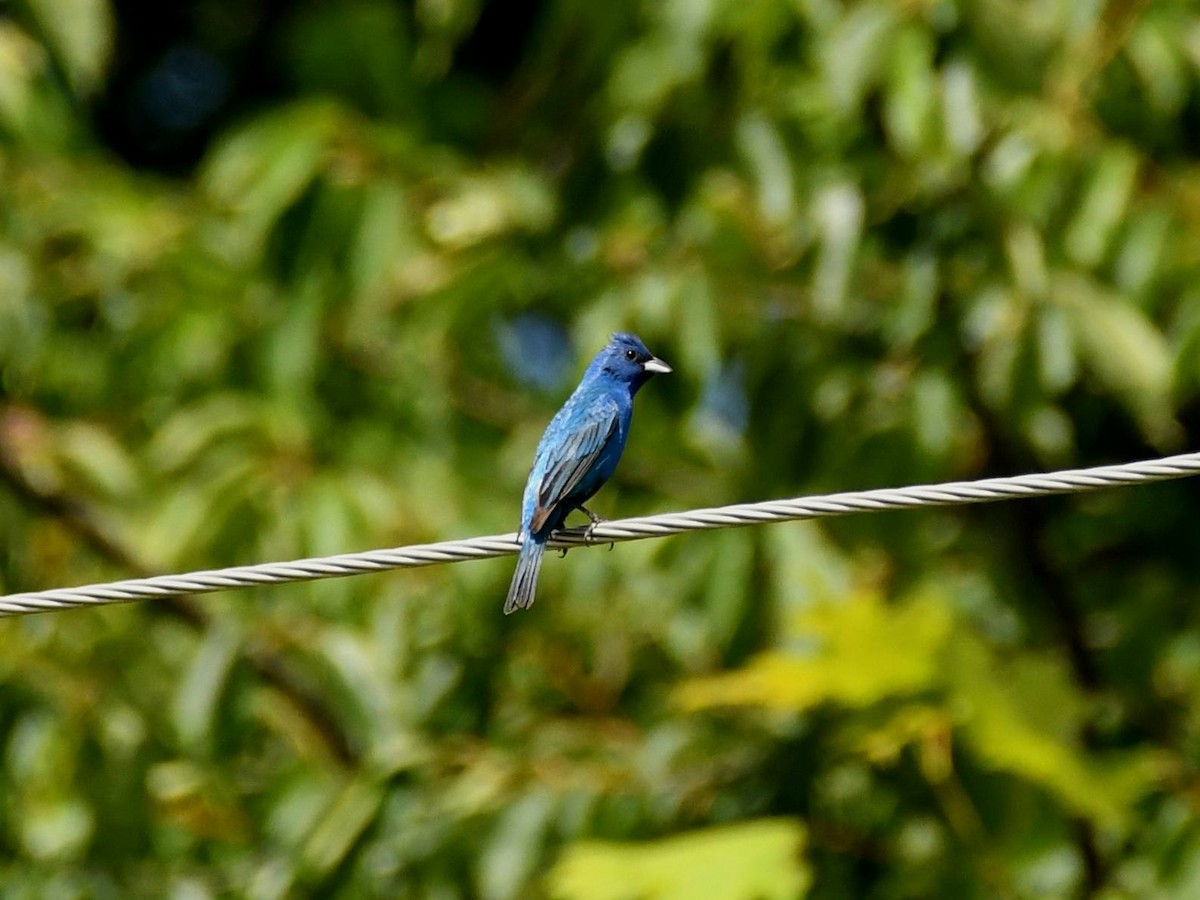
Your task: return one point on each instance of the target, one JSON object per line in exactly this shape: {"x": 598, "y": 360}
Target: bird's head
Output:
{"x": 625, "y": 359}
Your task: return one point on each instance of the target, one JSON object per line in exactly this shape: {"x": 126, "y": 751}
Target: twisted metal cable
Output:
{"x": 957, "y": 493}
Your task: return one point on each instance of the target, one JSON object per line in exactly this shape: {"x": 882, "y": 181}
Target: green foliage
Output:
{"x": 1021, "y": 715}
{"x": 880, "y": 243}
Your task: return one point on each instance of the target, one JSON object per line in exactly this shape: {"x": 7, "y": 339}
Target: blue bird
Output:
{"x": 579, "y": 452}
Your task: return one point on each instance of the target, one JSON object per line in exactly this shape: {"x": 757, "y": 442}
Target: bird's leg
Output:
{"x": 591, "y": 529}
{"x": 596, "y": 520}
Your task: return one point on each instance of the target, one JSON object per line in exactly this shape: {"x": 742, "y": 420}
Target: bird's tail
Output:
{"x": 524, "y": 583}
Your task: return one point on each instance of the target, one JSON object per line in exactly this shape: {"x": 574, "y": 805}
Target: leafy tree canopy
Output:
{"x": 292, "y": 279}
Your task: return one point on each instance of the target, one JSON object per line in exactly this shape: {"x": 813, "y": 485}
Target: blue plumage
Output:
{"x": 579, "y": 452}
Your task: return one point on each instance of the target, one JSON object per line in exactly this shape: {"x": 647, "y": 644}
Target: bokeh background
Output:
{"x": 283, "y": 279}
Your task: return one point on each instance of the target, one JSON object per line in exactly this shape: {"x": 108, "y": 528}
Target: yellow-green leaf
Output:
{"x": 866, "y": 651}
{"x": 79, "y": 33}
{"x": 755, "y": 860}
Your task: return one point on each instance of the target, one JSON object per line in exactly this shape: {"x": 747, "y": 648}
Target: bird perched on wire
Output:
{"x": 579, "y": 452}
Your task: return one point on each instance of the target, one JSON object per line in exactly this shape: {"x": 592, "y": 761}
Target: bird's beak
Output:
{"x": 654, "y": 364}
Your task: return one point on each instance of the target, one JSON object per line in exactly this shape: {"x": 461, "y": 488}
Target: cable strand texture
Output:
{"x": 959, "y": 493}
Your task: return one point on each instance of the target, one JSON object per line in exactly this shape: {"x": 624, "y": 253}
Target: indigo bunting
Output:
{"x": 579, "y": 452}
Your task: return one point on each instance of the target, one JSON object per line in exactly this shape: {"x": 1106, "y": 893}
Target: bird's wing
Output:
{"x": 570, "y": 461}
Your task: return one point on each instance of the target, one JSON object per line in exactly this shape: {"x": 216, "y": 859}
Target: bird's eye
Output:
{"x": 631, "y": 355}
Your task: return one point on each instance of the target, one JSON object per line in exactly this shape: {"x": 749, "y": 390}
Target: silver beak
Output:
{"x": 654, "y": 364}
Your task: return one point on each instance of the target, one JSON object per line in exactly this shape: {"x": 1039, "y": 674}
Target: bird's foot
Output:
{"x": 589, "y": 533}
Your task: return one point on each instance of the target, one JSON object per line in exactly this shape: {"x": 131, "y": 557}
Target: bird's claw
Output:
{"x": 589, "y": 536}
{"x": 590, "y": 532}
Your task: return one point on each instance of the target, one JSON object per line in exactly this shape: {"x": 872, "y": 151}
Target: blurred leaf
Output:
{"x": 854, "y": 47}
{"x": 1123, "y": 349}
{"x": 1022, "y": 718}
{"x": 935, "y": 413}
{"x": 914, "y": 311}
{"x": 863, "y": 652}
{"x": 727, "y": 586}
{"x": 260, "y": 170}
{"x": 99, "y": 459}
{"x": 511, "y": 856}
{"x": 80, "y": 34}
{"x": 763, "y": 147}
{"x": 22, "y": 61}
{"x": 1155, "y": 54}
{"x": 1140, "y": 254}
{"x": 1057, "y": 363}
{"x": 386, "y": 235}
{"x": 962, "y": 112}
{"x": 758, "y": 859}
{"x": 195, "y": 801}
{"x": 912, "y": 91}
{"x": 491, "y": 205}
{"x": 839, "y": 214}
{"x": 190, "y": 433}
{"x": 56, "y": 830}
{"x": 341, "y": 827}
{"x": 199, "y": 695}
{"x": 1104, "y": 203}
